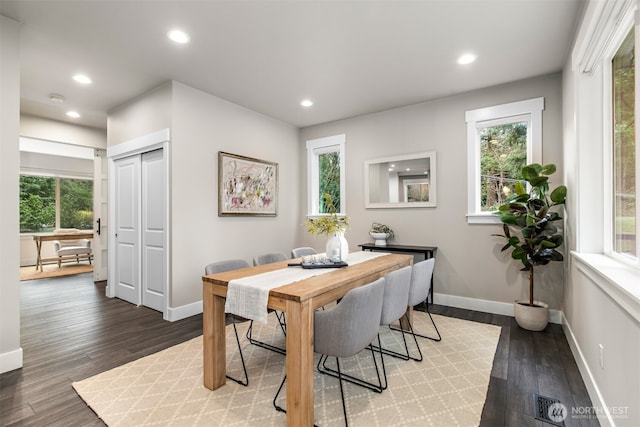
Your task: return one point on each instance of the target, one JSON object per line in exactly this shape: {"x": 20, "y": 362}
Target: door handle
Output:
{"x": 98, "y": 231}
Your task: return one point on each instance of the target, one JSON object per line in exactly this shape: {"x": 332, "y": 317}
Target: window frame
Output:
{"x": 620, "y": 33}
{"x": 316, "y": 147}
{"x": 529, "y": 111}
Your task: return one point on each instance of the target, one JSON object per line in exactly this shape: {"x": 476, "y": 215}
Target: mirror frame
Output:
{"x": 432, "y": 203}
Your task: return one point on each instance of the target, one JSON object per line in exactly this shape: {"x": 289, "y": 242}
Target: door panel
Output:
{"x": 127, "y": 268}
{"x": 100, "y": 216}
{"x": 153, "y": 230}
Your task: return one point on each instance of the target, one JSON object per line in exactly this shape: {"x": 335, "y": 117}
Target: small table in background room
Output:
{"x": 426, "y": 251}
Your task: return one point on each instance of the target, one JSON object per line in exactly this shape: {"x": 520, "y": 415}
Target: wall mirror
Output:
{"x": 405, "y": 181}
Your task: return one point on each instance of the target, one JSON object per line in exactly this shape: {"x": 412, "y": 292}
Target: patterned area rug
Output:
{"x": 448, "y": 388}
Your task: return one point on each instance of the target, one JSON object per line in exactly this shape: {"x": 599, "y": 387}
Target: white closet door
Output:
{"x": 127, "y": 229}
{"x": 153, "y": 230}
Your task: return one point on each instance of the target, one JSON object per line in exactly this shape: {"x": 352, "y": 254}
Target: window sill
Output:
{"x": 482, "y": 218}
{"x": 617, "y": 279}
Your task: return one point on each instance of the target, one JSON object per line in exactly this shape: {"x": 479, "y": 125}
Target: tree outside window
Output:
{"x": 329, "y": 180}
{"x": 41, "y": 212}
{"x": 503, "y": 153}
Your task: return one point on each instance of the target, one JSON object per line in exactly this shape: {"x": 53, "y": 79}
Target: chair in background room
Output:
{"x": 302, "y": 251}
{"x": 269, "y": 258}
{"x": 346, "y": 328}
{"x": 220, "y": 267}
{"x": 68, "y": 249}
{"x": 421, "y": 274}
{"x": 394, "y": 307}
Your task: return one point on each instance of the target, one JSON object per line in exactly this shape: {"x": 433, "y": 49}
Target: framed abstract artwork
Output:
{"x": 246, "y": 186}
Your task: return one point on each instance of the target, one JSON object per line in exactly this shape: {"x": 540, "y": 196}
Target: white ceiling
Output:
{"x": 349, "y": 57}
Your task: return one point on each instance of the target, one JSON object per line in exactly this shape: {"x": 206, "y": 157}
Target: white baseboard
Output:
{"x": 486, "y": 306}
{"x": 183, "y": 311}
{"x": 11, "y": 360}
{"x": 592, "y": 388}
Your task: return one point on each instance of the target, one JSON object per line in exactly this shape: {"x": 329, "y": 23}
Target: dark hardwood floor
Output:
{"x": 71, "y": 331}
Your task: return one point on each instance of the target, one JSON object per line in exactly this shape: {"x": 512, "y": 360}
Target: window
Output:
{"x": 325, "y": 166}
{"x": 47, "y": 203}
{"x": 624, "y": 150}
{"x": 500, "y": 141}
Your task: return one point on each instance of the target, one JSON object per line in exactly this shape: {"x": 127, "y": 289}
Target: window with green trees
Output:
{"x": 47, "y": 203}
{"x": 503, "y": 154}
{"x": 501, "y": 139}
{"x": 325, "y": 168}
{"x": 329, "y": 180}
{"x": 624, "y": 149}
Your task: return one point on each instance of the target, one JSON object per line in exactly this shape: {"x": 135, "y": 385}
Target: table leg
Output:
{"x": 38, "y": 256}
{"x": 214, "y": 338}
{"x": 299, "y": 364}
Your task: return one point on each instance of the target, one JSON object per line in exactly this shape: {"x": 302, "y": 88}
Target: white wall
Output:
{"x": 53, "y": 130}
{"x": 200, "y": 126}
{"x": 10, "y": 350}
{"x": 469, "y": 262}
{"x": 596, "y": 312}
{"x": 145, "y": 114}
{"x": 203, "y": 125}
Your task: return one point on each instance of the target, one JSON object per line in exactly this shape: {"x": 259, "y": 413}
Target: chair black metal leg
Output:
{"x": 275, "y": 398}
{"x": 244, "y": 382}
{"x": 344, "y": 405}
{"x": 275, "y": 405}
{"x": 264, "y": 344}
{"x": 416, "y": 334}
{"x": 415, "y": 339}
{"x": 378, "y": 388}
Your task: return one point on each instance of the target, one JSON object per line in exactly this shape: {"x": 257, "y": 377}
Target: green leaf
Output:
{"x": 519, "y": 188}
{"x": 559, "y": 195}
{"x": 548, "y": 169}
{"x": 537, "y": 181}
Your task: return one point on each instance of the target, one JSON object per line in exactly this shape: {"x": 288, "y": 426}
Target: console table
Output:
{"x": 39, "y": 238}
{"x": 426, "y": 251}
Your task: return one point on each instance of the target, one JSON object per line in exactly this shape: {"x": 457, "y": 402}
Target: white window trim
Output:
{"x": 528, "y": 110}
{"x": 315, "y": 147}
{"x": 619, "y": 33}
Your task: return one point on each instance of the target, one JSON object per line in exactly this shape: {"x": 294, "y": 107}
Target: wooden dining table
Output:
{"x": 298, "y": 300}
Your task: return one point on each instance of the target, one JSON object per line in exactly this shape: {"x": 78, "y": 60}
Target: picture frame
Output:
{"x": 246, "y": 186}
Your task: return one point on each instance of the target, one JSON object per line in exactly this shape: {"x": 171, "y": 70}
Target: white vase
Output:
{"x": 337, "y": 248}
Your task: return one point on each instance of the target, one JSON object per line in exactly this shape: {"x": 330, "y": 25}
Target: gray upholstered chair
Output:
{"x": 394, "y": 307}
{"x": 68, "y": 249}
{"x": 347, "y": 328}
{"x": 302, "y": 251}
{"x": 421, "y": 274}
{"x": 269, "y": 258}
{"x": 220, "y": 267}
{"x": 260, "y": 260}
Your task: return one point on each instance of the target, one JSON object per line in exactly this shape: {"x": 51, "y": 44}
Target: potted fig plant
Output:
{"x": 530, "y": 232}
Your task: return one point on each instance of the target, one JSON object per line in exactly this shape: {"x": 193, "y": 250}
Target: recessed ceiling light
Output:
{"x": 306, "y": 103}
{"x": 179, "y": 36}
{"x": 73, "y": 114}
{"x": 467, "y": 58}
{"x": 56, "y": 98}
{"x": 82, "y": 79}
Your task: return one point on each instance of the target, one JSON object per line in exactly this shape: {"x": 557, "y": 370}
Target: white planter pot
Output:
{"x": 337, "y": 248}
{"x": 531, "y": 318}
{"x": 379, "y": 238}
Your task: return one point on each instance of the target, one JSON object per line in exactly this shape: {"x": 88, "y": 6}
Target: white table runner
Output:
{"x": 248, "y": 296}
